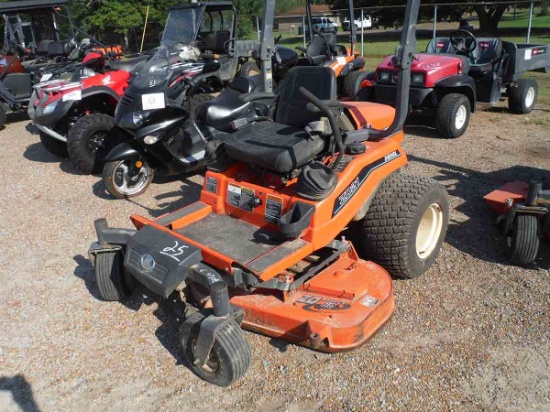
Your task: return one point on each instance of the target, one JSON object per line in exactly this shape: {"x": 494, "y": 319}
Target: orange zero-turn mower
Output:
{"x": 262, "y": 249}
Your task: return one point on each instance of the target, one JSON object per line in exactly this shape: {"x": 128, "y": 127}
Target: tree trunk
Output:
{"x": 489, "y": 18}
{"x": 544, "y": 11}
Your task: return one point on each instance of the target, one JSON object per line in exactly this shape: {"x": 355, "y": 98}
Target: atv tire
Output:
{"x": 230, "y": 356}
{"x": 405, "y": 225}
{"x": 522, "y": 96}
{"x": 197, "y": 100}
{"x": 249, "y": 69}
{"x": 3, "y": 115}
{"x": 352, "y": 83}
{"x": 453, "y": 115}
{"x": 54, "y": 146}
{"x": 523, "y": 244}
{"x": 88, "y": 142}
{"x": 112, "y": 281}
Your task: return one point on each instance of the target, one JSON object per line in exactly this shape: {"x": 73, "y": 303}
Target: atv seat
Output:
{"x": 285, "y": 145}
{"x": 128, "y": 65}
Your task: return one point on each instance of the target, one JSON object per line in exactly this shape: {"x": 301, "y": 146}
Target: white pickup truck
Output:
{"x": 323, "y": 25}
{"x": 365, "y": 24}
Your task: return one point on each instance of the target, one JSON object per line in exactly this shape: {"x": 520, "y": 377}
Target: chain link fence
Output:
{"x": 379, "y": 30}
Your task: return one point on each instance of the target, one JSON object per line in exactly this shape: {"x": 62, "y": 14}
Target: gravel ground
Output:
{"x": 472, "y": 334}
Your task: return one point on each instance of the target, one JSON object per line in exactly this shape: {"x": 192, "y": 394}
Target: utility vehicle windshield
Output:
{"x": 182, "y": 26}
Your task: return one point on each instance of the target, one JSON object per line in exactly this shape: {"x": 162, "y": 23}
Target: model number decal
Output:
{"x": 317, "y": 304}
{"x": 354, "y": 186}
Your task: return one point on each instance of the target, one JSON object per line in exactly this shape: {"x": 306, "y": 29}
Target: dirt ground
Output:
{"x": 473, "y": 334}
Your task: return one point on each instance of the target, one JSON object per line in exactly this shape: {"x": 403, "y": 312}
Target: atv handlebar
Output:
{"x": 325, "y": 109}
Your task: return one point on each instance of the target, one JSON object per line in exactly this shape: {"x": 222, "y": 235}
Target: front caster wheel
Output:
{"x": 127, "y": 178}
{"x": 523, "y": 242}
{"x": 229, "y": 358}
{"x": 112, "y": 281}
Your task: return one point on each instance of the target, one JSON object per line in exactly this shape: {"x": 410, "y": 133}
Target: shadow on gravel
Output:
{"x": 479, "y": 236}
{"x": 36, "y": 152}
{"x": 21, "y": 392}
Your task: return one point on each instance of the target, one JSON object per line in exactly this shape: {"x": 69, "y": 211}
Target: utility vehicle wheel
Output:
{"x": 405, "y": 225}
{"x": 88, "y": 142}
{"x": 453, "y": 115}
{"x": 523, "y": 244}
{"x": 3, "y": 115}
{"x": 124, "y": 179}
{"x": 113, "y": 283}
{"x": 230, "y": 356}
{"x": 250, "y": 69}
{"x": 352, "y": 83}
{"x": 54, "y": 146}
{"x": 522, "y": 96}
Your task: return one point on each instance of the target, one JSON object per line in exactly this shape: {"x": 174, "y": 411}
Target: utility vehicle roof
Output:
{"x": 228, "y": 4}
{"x": 19, "y": 6}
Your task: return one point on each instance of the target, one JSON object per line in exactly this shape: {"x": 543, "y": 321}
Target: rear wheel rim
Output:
{"x": 460, "y": 117}
{"x": 429, "y": 231}
{"x": 530, "y": 97}
{"x": 127, "y": 185}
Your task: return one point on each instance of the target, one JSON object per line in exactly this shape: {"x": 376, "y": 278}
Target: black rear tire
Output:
{"x": 395, "y": 233}
{"x": 112, "y": 281}
{"x": 230, "y": 356}
{"x": 450, "y": 108}
{"x": 54, "y": 146}
{"x": 522, "y": 96}
{"x": 89, "y": 142}
{"x": 523, "y": 244}
{"x": 352, "y": 83}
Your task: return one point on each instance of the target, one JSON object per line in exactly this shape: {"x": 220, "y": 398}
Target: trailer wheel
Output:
{"x": 405, "y": 225}
{"x": 121, "y": 184}
{"x": 522, "y": 96}
{"x": 249, "y": 69}
{"x": 453, "y": 115}
{"x": 352, "y": 83}
{"x": 54, "y": 146}
{"x": 88, "y": 142}
{"x": 112, "y": 281}
{"x": 523, "y": 242}
{"x": 230, "y": 356}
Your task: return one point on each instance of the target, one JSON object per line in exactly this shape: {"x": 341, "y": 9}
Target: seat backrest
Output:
{"x": 439, "y": 45}
{"x": 318, "y": 45}
{"x": 291, "y": 106}
{"x": 43, "y": 46}
{"x": 215, "y": 42}
{"x": 489, "y": 49}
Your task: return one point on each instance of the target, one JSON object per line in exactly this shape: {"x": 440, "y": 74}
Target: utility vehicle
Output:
{"x": 524, "y": 216}
{"x": 461, "y": 74}
{"x": 262, "y": 249}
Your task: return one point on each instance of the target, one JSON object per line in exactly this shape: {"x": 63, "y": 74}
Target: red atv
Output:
{"x": 74, "y": 117}
{"x": 461, "y": 74}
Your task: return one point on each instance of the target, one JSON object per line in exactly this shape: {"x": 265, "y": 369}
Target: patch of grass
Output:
{"x": 522, "y": 19}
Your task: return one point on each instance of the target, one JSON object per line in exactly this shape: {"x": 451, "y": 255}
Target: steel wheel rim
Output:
{"x": 460, "y": 117}
{"x": 429, "y": 231}
{"x": 530, "y": 97}
{"x": 126, "y": 185}
{"x": 97, "y": 141}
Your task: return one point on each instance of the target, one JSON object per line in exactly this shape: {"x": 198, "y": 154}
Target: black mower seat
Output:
{"x": 318, "y": 50}
{"x": 284, "y": 145}
{"x": 227, "y": 106}
{"x": 128, "y": 65}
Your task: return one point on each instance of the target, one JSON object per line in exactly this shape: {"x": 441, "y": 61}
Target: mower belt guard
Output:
{"x": 339, "y": 309}
{"x": 158, "y": 260}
